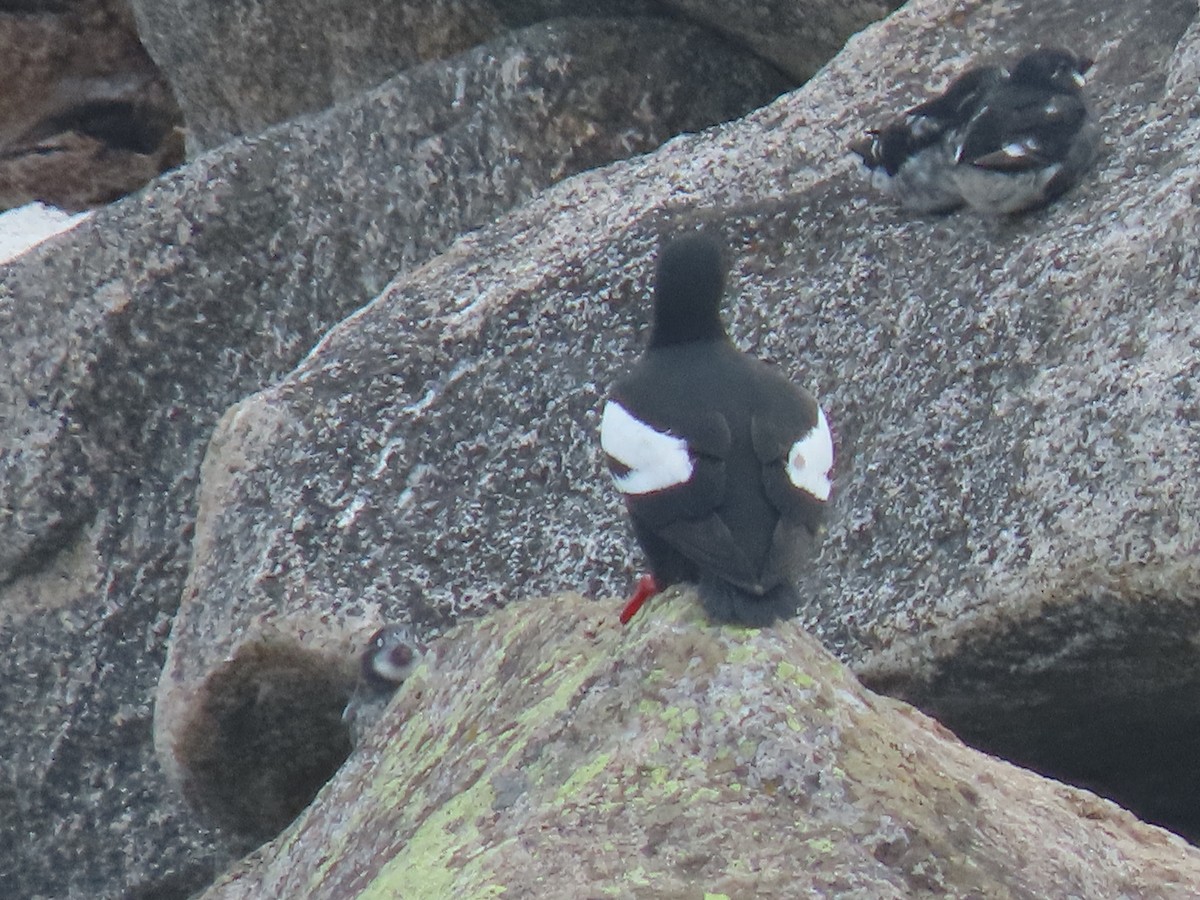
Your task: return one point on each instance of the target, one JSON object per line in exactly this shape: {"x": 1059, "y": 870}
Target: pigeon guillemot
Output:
{"x": 910, "y": 157}
{"x": 724, "y": 464}
{"x": 387, "y": 661}
{"x": 1031, "y": 138}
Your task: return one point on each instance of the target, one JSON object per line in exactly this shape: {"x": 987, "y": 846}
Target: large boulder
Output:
{"x": 238, "y": 67}
{"x": 126, "y": 339}
{"x": 1012, "y": 533}
{"x": 85, "y": 116}
{"x": 547, "y": 752}
{"x": 798, "y": 37}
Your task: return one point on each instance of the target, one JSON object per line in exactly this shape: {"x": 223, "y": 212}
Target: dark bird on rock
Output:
{"x": 910, "y": 157}
{"x": 724, "y": 464}
{"x": 1031, "y": 138}
{"x": 387, "y": 661}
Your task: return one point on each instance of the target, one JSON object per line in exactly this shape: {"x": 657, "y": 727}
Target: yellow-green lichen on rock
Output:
{"x": 547, "y": 751}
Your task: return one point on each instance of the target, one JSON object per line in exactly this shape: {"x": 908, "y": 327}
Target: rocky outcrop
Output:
{"x": 240, "y": 67}
{"x": 797, "y": 37}
{"x": 126, "y": 339}
{"x": 85, "y": 117}
{"x": 548, "y": 752}
{"x": 1011, "y": 541}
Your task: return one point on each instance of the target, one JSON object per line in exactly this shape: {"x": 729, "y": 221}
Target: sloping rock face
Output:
{"x": 1013, "y": 538}
{"x": 126, "y": 339}
{"x": 797, "y": 37}
{"x": 85, "y": 117}
{"x": 547, "y": 752}
{"x": 240, "y": 66}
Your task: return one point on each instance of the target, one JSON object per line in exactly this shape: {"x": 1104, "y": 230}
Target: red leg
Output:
{"x": 647, "y": 587}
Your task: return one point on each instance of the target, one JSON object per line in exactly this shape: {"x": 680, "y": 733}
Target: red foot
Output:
{"x": 647, "y": 587}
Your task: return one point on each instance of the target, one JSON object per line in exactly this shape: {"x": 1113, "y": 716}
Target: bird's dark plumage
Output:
{"x": 724, "y": 463}
{"x": 911, "y": 156}
{"x": 1032, "y": 137}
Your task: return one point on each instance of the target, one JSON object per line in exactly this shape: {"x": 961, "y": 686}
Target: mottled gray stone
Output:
{"x": 548, "y": 752}
{"x": 1013, "y": 522}
{"x": 798, "y": 37}
{"x": 239, "y": 66}
{"x": 125, "y": 339}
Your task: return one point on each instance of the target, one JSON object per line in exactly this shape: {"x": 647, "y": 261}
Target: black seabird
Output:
{"x": 910, "y": 157}
{"x": 387, "y": 661}
{"x": 1031, "y": 138}
{"x": 723, "y": 462}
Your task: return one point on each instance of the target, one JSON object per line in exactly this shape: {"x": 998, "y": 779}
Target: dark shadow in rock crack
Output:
{"x": 265, "y": 735}
{"x": 1100, "y": 694}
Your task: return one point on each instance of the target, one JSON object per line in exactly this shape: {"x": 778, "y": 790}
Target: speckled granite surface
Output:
{"x": 545, "y": 751}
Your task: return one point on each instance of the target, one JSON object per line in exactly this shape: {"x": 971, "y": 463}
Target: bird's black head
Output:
{"x": 389, "y": 658}
{"x": 687, "y": 292}
{"x": 1052, "y": 67}
{"x": 886, "y": 148}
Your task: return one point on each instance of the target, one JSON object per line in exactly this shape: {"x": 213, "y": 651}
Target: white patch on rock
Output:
{"x": 347, "y": 516}
{"x": 656, "y": 460}
{"x": 27, "y": 226}
{"x": 811, "y": 460}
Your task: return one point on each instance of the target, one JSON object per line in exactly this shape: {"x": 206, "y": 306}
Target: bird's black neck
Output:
{"x": 692, "y": 326}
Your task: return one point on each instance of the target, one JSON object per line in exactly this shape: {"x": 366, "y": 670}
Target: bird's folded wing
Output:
{"x": 710, "y": 544}
{"x": 795, "y": 450}
{"x": 1020, "y": 137}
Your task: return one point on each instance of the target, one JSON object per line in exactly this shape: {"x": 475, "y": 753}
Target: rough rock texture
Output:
{"x": 799, "y": 37}
{"x": 548, "y": 752}
{"x": 85, "y": 117}
{"x": 126, "y": 339}
{"x": 1013, "y": 537}
{"x": 240, "y": 66}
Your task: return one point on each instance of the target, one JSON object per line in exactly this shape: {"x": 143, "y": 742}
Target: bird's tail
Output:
{"x": 726, "y": 603}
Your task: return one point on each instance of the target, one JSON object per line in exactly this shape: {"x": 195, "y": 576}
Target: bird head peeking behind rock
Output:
{"x": 723, "y": 463}
{"x": 386, "y": 662}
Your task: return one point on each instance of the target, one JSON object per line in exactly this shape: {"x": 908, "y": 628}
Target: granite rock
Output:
{"x": 545, "y": 751}
{"x": 85, "y": 116}
{"x": 1011, "y": 542}
{"x": 127, "y": 338}
{"x": 799, "y": 38}
{"x": 241, "y": 67}
{"x": 238, "y": 67}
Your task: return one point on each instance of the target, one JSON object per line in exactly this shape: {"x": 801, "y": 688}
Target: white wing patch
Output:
{"x": 1022, "y": 149}
{"x": 655, "y": 460}
{"x": 811, "y": 460}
